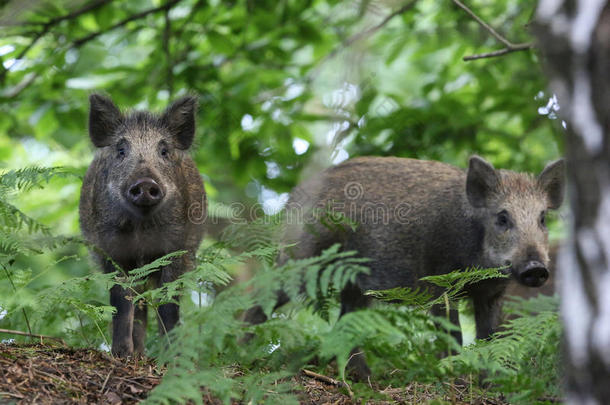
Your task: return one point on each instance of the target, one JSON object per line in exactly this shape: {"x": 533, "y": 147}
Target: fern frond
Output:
{"x": 418, "y": 297}
{"x": 28, "y": 178}
{"x": 457, "y": 280}
{"x": 13, "y": 218}
{"x": 144, "y": 271}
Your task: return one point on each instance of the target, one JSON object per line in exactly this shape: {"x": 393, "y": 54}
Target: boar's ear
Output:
{"x": 104, "y": 117}
{"x": 481, "y": 181}
{"x": 180, "y": 120}
{"x": 552, "y": 181}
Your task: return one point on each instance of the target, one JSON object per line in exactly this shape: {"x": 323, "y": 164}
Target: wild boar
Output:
{"x": 417, "y": 218}
{"x": 142, "y": 198}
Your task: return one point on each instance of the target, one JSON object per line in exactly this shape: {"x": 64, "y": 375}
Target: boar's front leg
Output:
{"x": 169, "y": 314}
{"x": 122, "y": 322}
{"x": 140, "y": 319}
{"x": 486, "y": 315}
{"x": 352, "y": 299}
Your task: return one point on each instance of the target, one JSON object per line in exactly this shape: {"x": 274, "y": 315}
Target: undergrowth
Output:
{"x": 213, "y": 351}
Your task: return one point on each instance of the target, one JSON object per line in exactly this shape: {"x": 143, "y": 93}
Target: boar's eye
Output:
{"x": 121, "y": 149}
{"x": 503, "y": 220}
{"x": 543, "y": 219}
{"x": 163, "y": 149}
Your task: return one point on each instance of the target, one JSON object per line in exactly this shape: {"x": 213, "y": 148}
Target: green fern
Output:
{"x": 418, "y": 297}
{"x": 522, "y": 359}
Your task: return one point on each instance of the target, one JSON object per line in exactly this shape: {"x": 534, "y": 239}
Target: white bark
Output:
{"x": 574, "y": 38}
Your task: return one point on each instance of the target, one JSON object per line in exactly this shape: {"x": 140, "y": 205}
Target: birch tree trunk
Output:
{"x": 574, "y": 38}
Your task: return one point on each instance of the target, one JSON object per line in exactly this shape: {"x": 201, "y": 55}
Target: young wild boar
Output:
{"x": 142, "y": 198}
{"x": 419, "y": 218}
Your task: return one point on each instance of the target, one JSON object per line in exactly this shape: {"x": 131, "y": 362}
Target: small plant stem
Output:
{"x": 41, "y": 337}
{"x": 101, "y": 333}
{"x": 25, "y": 315}
{"x": 448, "y": 314}
{"x": 169, "y": 342}
{"x": 99, "y": 330}
{"x": 470, "y": 384}
{"x": 82, "y": 330}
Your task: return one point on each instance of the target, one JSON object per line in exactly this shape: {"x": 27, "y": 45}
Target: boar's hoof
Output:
{"x": 124, "y": 349}
{"x": 145, "y": 193}
{"x": 534, "y": 275}
{"x": 357, "y": 367}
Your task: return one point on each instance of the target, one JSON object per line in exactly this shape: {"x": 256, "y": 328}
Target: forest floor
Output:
{"x": 43, "y": 374}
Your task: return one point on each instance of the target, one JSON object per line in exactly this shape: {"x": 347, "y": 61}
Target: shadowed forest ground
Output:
{"x": 43, "y": 374}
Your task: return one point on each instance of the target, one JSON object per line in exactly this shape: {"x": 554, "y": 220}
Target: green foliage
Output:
{"x": 204, "y": 356}
{"x": 522, "y": 360}
{"x": 22, "y": 180}
{"x": 22, "y": 236}
{"x": 452, "y": 284}
{"x": 455, "y": 282}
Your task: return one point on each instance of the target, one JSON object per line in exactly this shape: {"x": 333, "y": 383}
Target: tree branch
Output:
{"x": 46, "y": 27}
{"x": 85, "y": 9}
{"x": 500, "y": 52}
{"x": 358, "y": 36}
{"x": 81, "y": 41}
{"x": 508, "y": 46}
{"x": 483, "y": 24}
{"x": 19, "y": 87}
{"x": 167, "y": 33}
{"x": 362, "y": 34}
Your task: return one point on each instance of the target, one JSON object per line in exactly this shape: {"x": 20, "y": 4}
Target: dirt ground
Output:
{"x": 42, "y": 374}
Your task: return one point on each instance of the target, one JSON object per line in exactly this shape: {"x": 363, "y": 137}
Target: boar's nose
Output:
{"x": 145, "y": 192}
{"x": 534, "y": 275}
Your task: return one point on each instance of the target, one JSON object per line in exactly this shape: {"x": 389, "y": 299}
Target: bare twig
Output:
{"x": 329, "y": 380}
{"x": 105, "y": 381}
{"x": 323, "y": 378}
{"x": 41, "y": 337}
{"x": 508, "y": 46}
{"x": 483, "y": 24}
{"x": 555, "y": 400}
{"x": 504, "y": 51}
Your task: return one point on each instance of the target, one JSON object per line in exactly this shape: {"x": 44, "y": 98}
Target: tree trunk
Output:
{"x": 574, "y": 38}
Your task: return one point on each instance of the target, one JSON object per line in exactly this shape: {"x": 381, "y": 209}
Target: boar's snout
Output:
{"x": 145, "y": 193}
{"x": 534, "y": 274}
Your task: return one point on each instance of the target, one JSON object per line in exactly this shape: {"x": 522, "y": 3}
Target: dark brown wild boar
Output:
{"x": 142, "y": 198}
{"x": 419, "y": 218}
